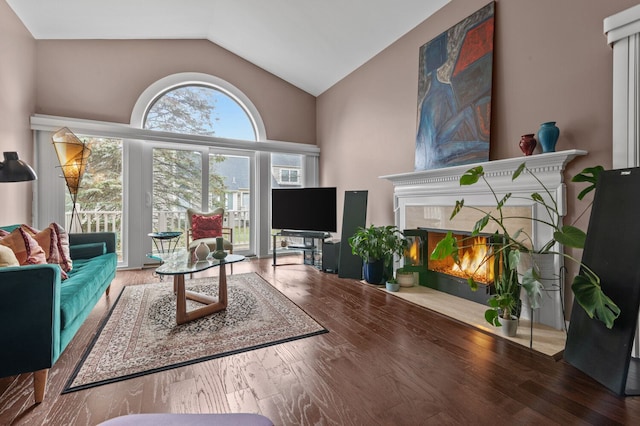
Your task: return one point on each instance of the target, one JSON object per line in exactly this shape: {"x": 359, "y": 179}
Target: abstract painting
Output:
{"x": 454, "y": 94}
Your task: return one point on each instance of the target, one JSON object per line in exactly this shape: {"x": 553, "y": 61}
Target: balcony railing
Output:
{"x": 104, "y": 221}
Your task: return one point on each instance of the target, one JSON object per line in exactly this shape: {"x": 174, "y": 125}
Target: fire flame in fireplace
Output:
{"x": 471, "y": 258}
{"x": 414, "y": 252}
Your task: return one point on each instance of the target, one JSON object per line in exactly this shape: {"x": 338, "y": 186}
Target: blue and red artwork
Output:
{"x": 454, "y": 94}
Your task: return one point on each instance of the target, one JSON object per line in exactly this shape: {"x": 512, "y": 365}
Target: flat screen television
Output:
{"x": 304, "y": 209}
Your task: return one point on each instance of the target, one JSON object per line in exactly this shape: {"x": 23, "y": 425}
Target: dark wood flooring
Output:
{"x": 384, "y": 362}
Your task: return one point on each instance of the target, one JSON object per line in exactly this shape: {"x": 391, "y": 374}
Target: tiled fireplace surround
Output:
{"x": 425, "y": 199}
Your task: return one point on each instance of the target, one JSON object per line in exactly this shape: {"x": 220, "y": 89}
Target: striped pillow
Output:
{"x": 55, "y": 242}
{"x": 25, "y": 247}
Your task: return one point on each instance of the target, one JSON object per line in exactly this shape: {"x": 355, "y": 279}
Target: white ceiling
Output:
{"x": 312, "y": 44}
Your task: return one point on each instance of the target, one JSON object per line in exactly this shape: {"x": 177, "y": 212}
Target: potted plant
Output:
{"x": 586, "y": 285}
{"x": 377, "y": 246}
{"x": 404, "y": 277}
{"x": 392, "y": 285}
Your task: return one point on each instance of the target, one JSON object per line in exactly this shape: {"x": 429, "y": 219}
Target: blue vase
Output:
{"x": 548, "y": 136}
{"x": 374, "y": 271}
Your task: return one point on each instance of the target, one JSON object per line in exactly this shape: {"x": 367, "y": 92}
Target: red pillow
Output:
{"x": 206, "y": 226}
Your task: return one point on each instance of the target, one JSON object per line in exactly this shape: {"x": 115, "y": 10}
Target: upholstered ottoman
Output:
{"x": 234, "y": 419}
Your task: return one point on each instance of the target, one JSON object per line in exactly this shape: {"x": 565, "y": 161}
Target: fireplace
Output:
{"x": 424, "y": 200}
{"x": 446, "y": 275}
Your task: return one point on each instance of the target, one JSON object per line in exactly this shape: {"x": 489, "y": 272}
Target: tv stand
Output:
{"x": 311, "y": 246}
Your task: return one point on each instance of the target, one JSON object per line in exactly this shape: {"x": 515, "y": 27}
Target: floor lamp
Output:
{"x": 12, "y": 169}
{"x": 72, "y": 155}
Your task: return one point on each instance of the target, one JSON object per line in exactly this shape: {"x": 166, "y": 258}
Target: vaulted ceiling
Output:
{"x": 312, "y": 44}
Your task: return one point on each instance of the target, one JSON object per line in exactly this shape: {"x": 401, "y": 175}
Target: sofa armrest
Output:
{"x": 29, "y": 318}
{"x": 109, "y": 238}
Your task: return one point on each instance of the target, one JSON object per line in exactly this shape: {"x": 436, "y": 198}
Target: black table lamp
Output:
{"x": 12, "y": 169}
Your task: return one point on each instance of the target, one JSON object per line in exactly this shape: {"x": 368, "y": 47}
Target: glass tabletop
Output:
{"x": 184, "y": 262}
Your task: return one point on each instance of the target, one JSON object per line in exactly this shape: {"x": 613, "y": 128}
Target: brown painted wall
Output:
{"x": 102, "y": 79}
{"x": 17, "y": 103}
{"x": 552, "y": 63}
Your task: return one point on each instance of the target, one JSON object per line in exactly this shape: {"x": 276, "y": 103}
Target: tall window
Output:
{"x": 196, "y": 177}
{"x": 99, "y": 202}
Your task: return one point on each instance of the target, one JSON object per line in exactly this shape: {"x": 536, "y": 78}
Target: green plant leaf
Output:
{"x": 448, "y": 246}
{"x": 537, "y": 197}
{"x": 473, "y": 285}
{"x": 514, "y": 259}
{"x": 518, "y": 171}
{"x": 570, "y": 236}
{"x": 517, "y": 233}
{"x": 479, "y": 226}
{"x": 588, "y": 292}
{"x": 492, "y": 317}
{"x": 502, "y": 202}
{"x": 533, "y": 287}
{"x": 471, "y": 176}
{"x": 457, "y": 208}
{"x": 590, "y": 174}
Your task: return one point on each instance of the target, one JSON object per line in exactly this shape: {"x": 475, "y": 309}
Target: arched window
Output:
{"x": 196, "y": 98}
{"x": 200, "y": 110}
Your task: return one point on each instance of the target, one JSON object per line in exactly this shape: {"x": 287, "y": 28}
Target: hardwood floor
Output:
{"x": 384, "y": 362}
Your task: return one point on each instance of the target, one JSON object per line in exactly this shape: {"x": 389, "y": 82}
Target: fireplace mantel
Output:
{"x": 545, "y": 166}
{"x": 425, "y": 199}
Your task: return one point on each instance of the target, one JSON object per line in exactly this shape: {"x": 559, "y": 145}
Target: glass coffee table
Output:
{"x": 183, "y": 262}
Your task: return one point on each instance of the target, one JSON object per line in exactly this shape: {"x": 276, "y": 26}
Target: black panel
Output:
{"x": 611, "y": 250}
{"x": 354, "y": 216}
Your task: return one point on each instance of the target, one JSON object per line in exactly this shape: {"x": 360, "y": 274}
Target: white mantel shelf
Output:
{"x": 551, "y": 161}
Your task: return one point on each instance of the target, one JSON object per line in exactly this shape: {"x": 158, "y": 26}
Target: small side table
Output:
{"x": 170, "y": 238}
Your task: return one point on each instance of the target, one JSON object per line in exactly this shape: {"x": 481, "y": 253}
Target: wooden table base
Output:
{"x": 212, "y": 304}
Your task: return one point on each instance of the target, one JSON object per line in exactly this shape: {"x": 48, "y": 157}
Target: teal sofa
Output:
{"x": 40, "y": 313}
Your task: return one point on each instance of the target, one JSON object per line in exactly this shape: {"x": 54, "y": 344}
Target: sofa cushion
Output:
{"x": 88, "y": 250}
{"x": 25, "y": 247}
{"x": 85, "y": 280}
{"x": 7, "y": 257}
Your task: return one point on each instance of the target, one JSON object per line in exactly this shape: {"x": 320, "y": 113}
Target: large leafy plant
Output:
{"x": 378, "y": 243}
{"x": 586, "y": 285}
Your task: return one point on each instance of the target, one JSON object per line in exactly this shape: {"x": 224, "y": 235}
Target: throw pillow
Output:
{"x": 206, "y": 226}
{"x": 25, "y": 247}
{"x": 47, "y": 239}
{"x": 54, "y": 241}
{"x": 7, "y": 257}
{"x": 63, "y": 247}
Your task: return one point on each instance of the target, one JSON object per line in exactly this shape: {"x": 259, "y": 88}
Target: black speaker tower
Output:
{"x": 354, "y": 216}
{"x": 611, "y": 251}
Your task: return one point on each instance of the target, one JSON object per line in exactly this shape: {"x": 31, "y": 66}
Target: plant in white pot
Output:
{"x": 586, "y": 285}
{"x": 405, "y": 277}
{"x": 377, "y": 246}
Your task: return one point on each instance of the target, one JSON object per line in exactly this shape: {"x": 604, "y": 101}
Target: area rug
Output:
{"x": 140, "y": 335}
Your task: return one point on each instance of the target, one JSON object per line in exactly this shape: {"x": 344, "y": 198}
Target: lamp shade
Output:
{"x": 72, "y": 155}
{"x": 12, "y": 169}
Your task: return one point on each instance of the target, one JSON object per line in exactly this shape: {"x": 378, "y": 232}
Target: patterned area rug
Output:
{"x": 140, "y": 335}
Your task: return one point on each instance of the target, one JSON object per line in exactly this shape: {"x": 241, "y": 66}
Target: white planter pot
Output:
{"x": 509, "y": 326}
{"x": 406, "y": 280}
